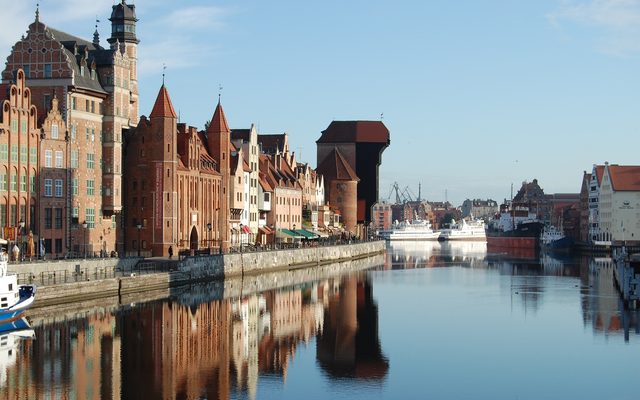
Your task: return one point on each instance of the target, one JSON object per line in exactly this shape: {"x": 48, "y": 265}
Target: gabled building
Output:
{"x": 19, "y": 143}
{"x": 97, "y": 92}
{"x": 247, "y": 141}
{"x": 594, "y": 199}
{"x": 584, "y": 236}
{"x": 619, "y": 203}
{"x": 176, "y": 187}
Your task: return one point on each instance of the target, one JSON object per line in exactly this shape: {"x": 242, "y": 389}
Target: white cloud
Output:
{"x": 197, "y": 17}
{"x": 617, "y": 22}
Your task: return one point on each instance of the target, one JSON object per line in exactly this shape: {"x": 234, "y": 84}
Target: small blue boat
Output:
{"x": 554, "y": 239}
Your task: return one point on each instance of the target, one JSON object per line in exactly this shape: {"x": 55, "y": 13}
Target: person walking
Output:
{"x": 170, "y": 251}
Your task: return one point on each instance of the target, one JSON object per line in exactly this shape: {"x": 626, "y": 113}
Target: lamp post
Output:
{"x": 241, "y": 231}
{"x": 84, "y": 239}
{"x": 139, "y": 226}
{"x": 209, "y": 227}
{"x": 21, "y": 225}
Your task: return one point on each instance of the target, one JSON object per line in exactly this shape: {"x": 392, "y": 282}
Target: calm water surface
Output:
{"x": 440, "y": 321}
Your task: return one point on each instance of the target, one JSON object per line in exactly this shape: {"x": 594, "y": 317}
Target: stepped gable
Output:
{"x": 335, "y": 166}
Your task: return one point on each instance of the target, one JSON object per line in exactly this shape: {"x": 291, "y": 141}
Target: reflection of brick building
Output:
{"x": 361, "y": 144}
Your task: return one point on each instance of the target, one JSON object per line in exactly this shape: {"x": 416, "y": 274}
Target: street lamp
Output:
{"x": 84, "y": 239}
{"x": 241, "y": 231}
{"x": 209, "y": 227}
{"x": 21, "y": 225}
{"x": 139, "y": 226}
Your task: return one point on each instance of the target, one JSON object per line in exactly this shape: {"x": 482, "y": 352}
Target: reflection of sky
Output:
{"x": 499, "y": 332}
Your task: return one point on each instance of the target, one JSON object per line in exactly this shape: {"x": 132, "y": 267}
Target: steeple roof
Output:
{"x": 163, "y": 107}
{"x": 219, "y": 121}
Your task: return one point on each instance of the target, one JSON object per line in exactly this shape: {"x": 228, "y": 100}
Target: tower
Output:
{"x": 218, "y": 140}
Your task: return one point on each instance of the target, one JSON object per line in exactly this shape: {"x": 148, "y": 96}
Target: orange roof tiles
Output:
{"x": 219, "y": 121}
{"x": 335, "y": 166}
{"x": 625, "y": 177}
{"x": 163, "y": 106}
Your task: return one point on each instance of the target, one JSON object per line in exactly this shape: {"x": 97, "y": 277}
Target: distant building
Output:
{"x": 584, "y": 236}
{"x": 532, "y": 196}
{"x": 618, "y": 203}
{"x": 360, "y": 144}
{"x": 381, "y": 216}
{"x": 477, "y": 208}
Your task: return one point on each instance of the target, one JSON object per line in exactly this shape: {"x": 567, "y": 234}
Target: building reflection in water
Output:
{"x": 180, "y": 348}
{"x": 430, "y": 254}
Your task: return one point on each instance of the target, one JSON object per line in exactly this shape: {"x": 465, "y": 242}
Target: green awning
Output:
{"x": 291, "y": 233}
{"x": 307, "y": 234}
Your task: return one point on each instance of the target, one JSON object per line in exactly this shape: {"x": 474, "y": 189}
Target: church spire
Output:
{"x": 96, "y": 35}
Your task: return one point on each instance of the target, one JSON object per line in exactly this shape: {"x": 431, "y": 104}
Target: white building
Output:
{"x": 619, "y": 203}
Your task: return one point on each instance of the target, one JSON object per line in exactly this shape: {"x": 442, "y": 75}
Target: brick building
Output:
{"x": 19, "y": 143}
{"x": 176, "y": 187}
{"x": 97, "y": 94}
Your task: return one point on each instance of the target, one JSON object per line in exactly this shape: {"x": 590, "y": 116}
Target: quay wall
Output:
{"x": 72, "y": 266}
{"x": 204, "y": 268}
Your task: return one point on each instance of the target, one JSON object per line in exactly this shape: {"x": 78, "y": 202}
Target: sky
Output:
{"x": 477, "y": 95}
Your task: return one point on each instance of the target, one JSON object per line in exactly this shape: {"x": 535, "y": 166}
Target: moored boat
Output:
{"x": 472, "y": 230}
{"x": 554, "y": 239}
{"x": 418, "y": 229}
{"x": 514, "y": 229}
{"x": 14, "y": 298}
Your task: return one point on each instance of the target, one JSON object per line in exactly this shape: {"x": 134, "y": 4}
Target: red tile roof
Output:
{"x": 625, "y": 177}
{"x": 218, "y": 121}
{"x": 163, "y": 106}
{"x": 355, "y": 131}
{"x": 335, "y": 166}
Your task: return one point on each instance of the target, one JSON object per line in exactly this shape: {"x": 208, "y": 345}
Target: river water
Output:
{"x": 430, "y": 320}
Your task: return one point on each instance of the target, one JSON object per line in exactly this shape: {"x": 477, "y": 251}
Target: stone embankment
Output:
{"x": 225, "y": 267}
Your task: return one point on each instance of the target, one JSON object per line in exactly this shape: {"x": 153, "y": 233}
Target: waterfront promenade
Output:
{"x": 80, "y": 280}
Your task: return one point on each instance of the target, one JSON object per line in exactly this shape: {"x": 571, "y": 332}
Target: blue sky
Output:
{"x": 477, "y": 94}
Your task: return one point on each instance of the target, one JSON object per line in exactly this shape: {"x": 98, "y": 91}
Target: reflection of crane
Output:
{"x": 402, "y": 196}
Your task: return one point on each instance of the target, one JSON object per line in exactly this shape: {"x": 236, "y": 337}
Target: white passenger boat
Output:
{"x": 463, "y": 230}
{"x": 14, "y": 298}
{"x": 417, "y": 229}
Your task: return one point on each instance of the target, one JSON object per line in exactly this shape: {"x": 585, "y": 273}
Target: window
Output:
{"x": 58, "y": 218}
{"x": 48, "y": 187}
{"x": 23, "y": 154}
{"x": 90, "y": 187}
{"x": 4, "y": 152}
{"x": 90, "y": 214}
{"x": 14, "y": 153}
{"x": 47, "y": 158}
{"x": 23, "y": 127}
{"x": 89, "y": 161}
{"x": 74, "y": 106}
{"x": 47, "y": 218}
{"x": 87, "y": 131}
{"x": 14, "y": 182}
{"x": 33, "y": 155}
{"x": 46, "y": 102}
{"x": 93, "y": 106}
{"x": 33, "y": 183}
{"x": 3, "y": 183}
{"x": 73, "y": 131}
{"x": 54, "y": 131}
{"x": 59, "y": 159}
{"x": 23, "y": 183}
{"x": 86, "y": 105}
{"x": 58, "y": 187}
{"x": 93, "y": 134}
{"x": 74, "y": 158}
{"x": 74, "y": 186}
{"x": 27, "y": 72}
{"x": 47, "y": 70}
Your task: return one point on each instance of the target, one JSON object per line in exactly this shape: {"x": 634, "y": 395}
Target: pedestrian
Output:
{"x": 170, "y": 251}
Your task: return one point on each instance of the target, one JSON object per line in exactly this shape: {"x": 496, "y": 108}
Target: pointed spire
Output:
{"x": 219, "y": 121}
{"x": 37, "y": 12}
{"x": 96, "y": 35}
{"x": 163, "y": 107}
